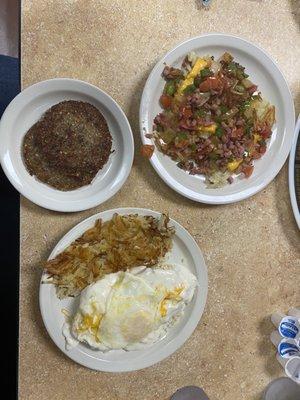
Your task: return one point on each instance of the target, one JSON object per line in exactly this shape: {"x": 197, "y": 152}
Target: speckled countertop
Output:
{"x": 251, "y": 248}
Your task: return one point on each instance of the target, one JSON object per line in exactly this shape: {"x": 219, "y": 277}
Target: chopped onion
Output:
{"x": 192, "y": 57}
{"x": 203, "y": 98}
{"x": 247, "y": 83}
{"x": 236, "y": 92}
{"x": 215, "y": 66}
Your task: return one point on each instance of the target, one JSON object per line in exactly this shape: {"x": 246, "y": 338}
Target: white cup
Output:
{"x": 282, "y": 389}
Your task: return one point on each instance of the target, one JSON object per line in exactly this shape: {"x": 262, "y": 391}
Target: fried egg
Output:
{"x": 133, "y": 309}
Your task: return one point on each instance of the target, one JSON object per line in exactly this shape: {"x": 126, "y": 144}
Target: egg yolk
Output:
{"x": 137, "y": 325}
{"x": 90, "y": 323}
{"x": 171, "y": 295}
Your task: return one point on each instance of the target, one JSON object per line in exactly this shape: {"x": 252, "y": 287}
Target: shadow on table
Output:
{"x": 266, "y": 349}
{"x": 295, "y": 9}
{"x": 297, "y": 101}
{"x": 31, "y": 276}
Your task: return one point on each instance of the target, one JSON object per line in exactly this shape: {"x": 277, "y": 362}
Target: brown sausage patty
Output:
{"x": 68, "y": 145}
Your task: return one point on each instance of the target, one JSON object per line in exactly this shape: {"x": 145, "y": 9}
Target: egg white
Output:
{"x": 133, "y": 309}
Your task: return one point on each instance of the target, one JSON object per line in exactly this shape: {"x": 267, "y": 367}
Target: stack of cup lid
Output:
{"x": 287, "y": 341}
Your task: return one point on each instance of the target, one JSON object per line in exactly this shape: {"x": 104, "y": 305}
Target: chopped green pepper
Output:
{"x": 213, "y": 156}
{"x": 200, "y": 113}
{"x": 189, "y": 89}
{"x": 193, "y": 147}
{"x": 219, "y": 131}
{"x": 197, "y": 80}
{"x": 218, "y": 119}
{"x": 182, "y": 136}
{"x": 205, "y": 72}
{"x": 170, "y": 88}
{"x": 223, "y": 109}
{"x": 245, "y": 105}
{"x": 240, "y": 74}
{"x": 167, "y": 136}
{"x": 232, "y": 67}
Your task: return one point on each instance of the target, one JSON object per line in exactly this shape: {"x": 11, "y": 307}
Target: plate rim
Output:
{"x": 163, "y": 172}
{"x": 292, "y": 174}
{"x": 170, "y": 348}
{"x": 64, "y": 205}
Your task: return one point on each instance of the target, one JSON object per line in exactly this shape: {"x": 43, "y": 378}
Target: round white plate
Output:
{"x": 185, "y": 251}
{"x": 265, "y": 73}
{"x": 292, "y": 173}
{"x": 27, "y": 108}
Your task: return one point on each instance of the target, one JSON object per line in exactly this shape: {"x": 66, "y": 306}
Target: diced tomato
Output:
{"x": 165, "y": 101}
{"x": 237, "y": 132}
{"x": 186, "y": 112}
{"x": 256, "y": 155}
{"x": 247, "y": 170}
{"x": 147, "y": 150}
{"x": 211, "y": 83}
{"x": 262, "y": 149}
{"x": 252, "y": 89}
{"x": 266, "y": 133}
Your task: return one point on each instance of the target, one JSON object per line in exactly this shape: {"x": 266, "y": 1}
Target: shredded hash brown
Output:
{"x": 118, "y": 244}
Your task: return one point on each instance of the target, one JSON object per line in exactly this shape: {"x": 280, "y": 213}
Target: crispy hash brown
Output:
{"x": 118, "y": 244}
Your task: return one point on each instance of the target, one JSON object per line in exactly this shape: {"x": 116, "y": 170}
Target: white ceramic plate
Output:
{"x": 292, "y": 173}
{"x": 185, "y": 250}
{"x": 265, "y": 73}
{"x": 27, "y": 108}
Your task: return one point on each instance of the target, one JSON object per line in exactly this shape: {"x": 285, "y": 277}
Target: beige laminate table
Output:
{"x": 251, "y": 248}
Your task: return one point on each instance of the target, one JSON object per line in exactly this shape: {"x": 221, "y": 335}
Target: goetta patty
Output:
{"x": 68, "y": 145}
